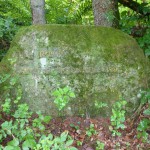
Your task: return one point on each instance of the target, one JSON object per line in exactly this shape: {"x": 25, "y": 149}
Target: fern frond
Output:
{"x": 83, "y": 8}
{"x": 16, "y": 9}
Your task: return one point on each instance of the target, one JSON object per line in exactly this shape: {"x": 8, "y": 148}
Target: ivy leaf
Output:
{"x": 42, "y": 127}
{"x": 28, "y": 143}
{"x": 12, "y": 148}
{"x": 7, "y": 125}
{"x": 73, "y": 148}
{"x": 147, "y": 112}
{"x": 66, "y": 89}
{"x": 47, "y": 119}
{"x": 122, "y": 126}
{"x": 69, "y": 142}
{"x": 55, "y": 93}
{"x": 23, "y": 133}
{"x": 72, "y": 95}
{"x": 143, "y": 125}
{"x": 124, "y": 102}
{"x": 14, "y": 142}
{"x": 50, "y": 137}
{"x": 61, "y": 92}
{"x": 63, "y": 136}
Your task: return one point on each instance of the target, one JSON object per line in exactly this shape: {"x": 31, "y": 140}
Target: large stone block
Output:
{"x": 99, "y": 64}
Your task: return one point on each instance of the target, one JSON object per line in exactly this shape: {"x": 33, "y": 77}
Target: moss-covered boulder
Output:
{"x": 99, "y": 64}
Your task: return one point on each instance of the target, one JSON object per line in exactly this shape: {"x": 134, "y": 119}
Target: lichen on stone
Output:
{"x": 100, "y": 64}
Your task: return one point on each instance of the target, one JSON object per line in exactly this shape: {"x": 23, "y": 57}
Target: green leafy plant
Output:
{"x": 145, "y": 97}
{"x": 25, "y": 136}
{"x": 8, "y": 28}
{"x": 63, "y": 142}
{"x": 7, "y": 31}
{"x": 144, "y": 42}
{"x": 4, "y": 78}
{"x": 18, "y": 129}
{"x": 38, "y": 122}
{"x": 74, "y": 126}
{"x": 117, "y": 145}
{"x": 137, "y": 25}
{"x": 142, "y": 127}
{"x": 127, "y": 145}
{"x": 6, "y": 106}
{"x": 62, "y": 97}
{"x": 100, "y": 145}
{"x": 27, "y": 133}
{"x": 10, "y": 81}
{"x": 79, "y": 143}
{"x": 100, "y": 104}
{"x": 18, "y": 10}
{"x": 144, "y": 124}
{"x": 118, "y": 117}
{"x": 91, "y": 130}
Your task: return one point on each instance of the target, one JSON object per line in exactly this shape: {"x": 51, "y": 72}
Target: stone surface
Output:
{"x": 99, "y": 64}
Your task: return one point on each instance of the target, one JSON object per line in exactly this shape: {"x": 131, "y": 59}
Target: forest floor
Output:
{"x": 85, "y": 138}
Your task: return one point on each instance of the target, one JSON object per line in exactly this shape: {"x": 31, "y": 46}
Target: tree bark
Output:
{"x": 38, "y": 11}
{"x": 106, "y": 13}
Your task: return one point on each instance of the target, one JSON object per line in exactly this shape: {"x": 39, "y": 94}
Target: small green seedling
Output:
{"x": 79, "y": 143}
{"x": 62, "y": 97}
{"x": 118, "y": 117}
{"x": 100, "y": 145}
{"x": 74, "y": 126}
{"x": 91, "y": 130}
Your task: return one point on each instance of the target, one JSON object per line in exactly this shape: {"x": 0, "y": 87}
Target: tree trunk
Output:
{"x": 38, "y": 11}
{"x": 106, "y": 13}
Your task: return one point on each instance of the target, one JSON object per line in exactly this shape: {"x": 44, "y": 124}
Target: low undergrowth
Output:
{"x": 23, "y": 130}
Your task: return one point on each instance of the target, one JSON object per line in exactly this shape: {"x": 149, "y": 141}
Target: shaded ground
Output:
{"x": 79, "y": 128}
